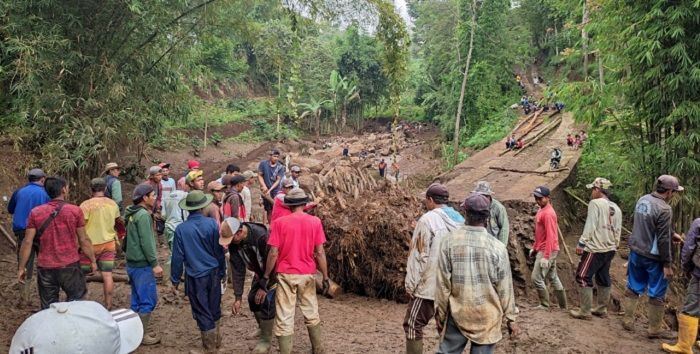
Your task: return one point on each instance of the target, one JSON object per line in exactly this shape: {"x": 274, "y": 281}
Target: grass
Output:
{"x": 492, "y": 131}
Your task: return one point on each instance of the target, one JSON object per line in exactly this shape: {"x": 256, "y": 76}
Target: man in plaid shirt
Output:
{"x": 473, "y": 282}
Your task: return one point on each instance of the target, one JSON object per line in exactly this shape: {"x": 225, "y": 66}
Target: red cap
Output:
{"x": 192, "y": 164}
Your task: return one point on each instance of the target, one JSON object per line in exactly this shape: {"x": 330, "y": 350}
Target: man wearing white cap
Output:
{"x": 54, "y": 330}
{"x": 597, "y": 246}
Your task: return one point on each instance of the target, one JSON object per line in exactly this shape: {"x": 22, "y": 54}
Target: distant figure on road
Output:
{"x": 382, "y": 168}
{"x": 395, "y": 169}
{"x": 346, "y": 150}
{"x": 511, "y": 142}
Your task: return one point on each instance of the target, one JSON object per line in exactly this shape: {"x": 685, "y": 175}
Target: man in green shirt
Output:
{"x": 497, "y": 225}
{"x": 141, "y": 260}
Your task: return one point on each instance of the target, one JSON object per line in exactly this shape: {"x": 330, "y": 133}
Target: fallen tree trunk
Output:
{"x": 539, "y": 135}
{"x": 527, "y": 171}
{"x": 117, "y": 278}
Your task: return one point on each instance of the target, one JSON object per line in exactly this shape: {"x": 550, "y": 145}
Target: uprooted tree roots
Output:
{"x": 368, "y": 225}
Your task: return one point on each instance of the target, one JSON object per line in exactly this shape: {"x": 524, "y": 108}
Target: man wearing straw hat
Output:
{"x": 114, "y": 186}
{"x": 196, "y": 244}
{"x": 296, "y": 247}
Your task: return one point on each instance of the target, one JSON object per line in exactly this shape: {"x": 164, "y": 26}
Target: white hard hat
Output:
{"x": 79, "y": 327}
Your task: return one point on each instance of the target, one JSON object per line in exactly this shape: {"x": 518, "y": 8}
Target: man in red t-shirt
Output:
{"x": 547, "y": 248}
{"x": 58, "y": 265}
{"x": 296, "y": 246}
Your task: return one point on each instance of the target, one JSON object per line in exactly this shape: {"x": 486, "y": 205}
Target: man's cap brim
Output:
{"x": 130, "y": 330}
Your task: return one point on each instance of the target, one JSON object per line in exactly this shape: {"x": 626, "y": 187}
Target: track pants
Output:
{"x": 594, "y": 265}
{"x": 418, "y": 315}
{"x": 205, "y": 299}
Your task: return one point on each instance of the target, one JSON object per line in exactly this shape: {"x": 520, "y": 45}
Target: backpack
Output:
{"x": 109, "y": 181}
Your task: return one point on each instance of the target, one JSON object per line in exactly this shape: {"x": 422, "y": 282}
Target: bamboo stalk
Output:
{"x": 8, "y": 237}
{"x": 566, "y": 248}
{"x": 539, "y": 135}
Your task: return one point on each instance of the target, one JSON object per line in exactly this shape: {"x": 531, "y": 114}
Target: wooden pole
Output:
{"x": 566, "y": 248}
{"x": 539, "y": 135}
{"x": 8, "y": 237}
{"x": 527, "y": 171}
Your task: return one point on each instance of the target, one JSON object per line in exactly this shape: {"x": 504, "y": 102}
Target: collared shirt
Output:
{"x": 250, "y": 254}
{"x": 546, "y": 231}
{"x": 196, "y": 246}
{"x": 603, "y": 227}
{"x": 474, "y": 284}
{"x": 498, "y": 225}
{"x": 58, "y": 245}
{"x": 23, "y": 201}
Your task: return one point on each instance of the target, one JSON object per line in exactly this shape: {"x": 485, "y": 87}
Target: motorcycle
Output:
{"x": 555, "y": 159}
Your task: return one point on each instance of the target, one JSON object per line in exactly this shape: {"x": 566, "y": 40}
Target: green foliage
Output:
{"x": 448, "y": 156}
{"x": 494, "y": 130}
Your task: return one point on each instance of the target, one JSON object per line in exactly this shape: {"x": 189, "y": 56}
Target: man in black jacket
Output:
{"x": 248, "y": 249}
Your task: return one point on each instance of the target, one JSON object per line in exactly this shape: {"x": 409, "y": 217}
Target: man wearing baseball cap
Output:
{"x": 22, "y": 202}
{"x": 296, "y": 172}
{"x": 422, "y": 263}
{"x": 248, "y": 250}
{"x": 114, "y": 186}
{"x": 213, "y": 210}
{"x": 650, "y": 261}
{"x": 296, "y": 249}
{"x": 54, "y": 330}
{"x": 547, "y": 248}
{"x": 597, "y": 246}
{"x": 192, "y": 165}
{"x": 498, "y": 225}
{"x": 142, "y": 259}
{"x": 473, "y": 281}
{"x": 270, "y": 175}
{"x": 196, "y": 247}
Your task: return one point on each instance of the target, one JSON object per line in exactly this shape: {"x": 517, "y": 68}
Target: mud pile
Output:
{"x": 368, "y": 225}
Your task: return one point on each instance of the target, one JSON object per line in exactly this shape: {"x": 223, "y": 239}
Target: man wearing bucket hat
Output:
{"x": 296, "y": 248}
{"x": 141, "y": 258}
{"x": 597, "y": 246}
{"x": 422, "y": 263}
{"x": 650, "y": 261}
{"x": 54, "y": 330}
{"x": 473, "y": 281}
{"x": 248, "y": 250}
{"x": 498, "y": 225}
{"x": 114, "y": 186}
{"x": 196, "y": 245}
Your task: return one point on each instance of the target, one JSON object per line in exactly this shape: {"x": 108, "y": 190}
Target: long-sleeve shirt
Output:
{"x": 689, "y": 247}
{"x": 247, "y": 202}
{"x": 652, "y": 229}
{"x": 23, "y": 201}
{"x": 474, "y": 284}
{"x": 546, "y": 235}
{"x": 172, "y": 213}
{"x": 196, "y": 246}
{"x": 425, "y": 247}
{"x": 140, "y": 238}
{"x": 498, "y": 225}
{"x": 250, "y": 254}
{"x": 603, "y": 227}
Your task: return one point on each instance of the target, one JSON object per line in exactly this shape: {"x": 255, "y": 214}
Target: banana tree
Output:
{"x": 344, "y": 92}
{"x": 314, "y": 108}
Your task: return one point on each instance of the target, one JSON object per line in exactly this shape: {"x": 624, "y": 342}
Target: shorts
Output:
{"x": 104, "y": 255}
{"x": 267, "y": 205}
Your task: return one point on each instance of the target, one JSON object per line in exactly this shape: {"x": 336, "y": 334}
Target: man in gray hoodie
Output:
{"x": 422, "y": 263}
{"x": 649, "y": 267}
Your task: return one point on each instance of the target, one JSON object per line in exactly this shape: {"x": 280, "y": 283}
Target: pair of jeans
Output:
{"x": 144, "y": 294}
{"x": 30, "y": 262}
{"x": 539, "y": 275}
{"x": 51, "y": 281}
{"x": 454, "y": 342}
{"x": 205, "y": 299}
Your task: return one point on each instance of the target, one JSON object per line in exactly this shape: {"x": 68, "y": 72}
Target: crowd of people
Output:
{"x": 575, "y": 141}
{"x": 458, "y": 265}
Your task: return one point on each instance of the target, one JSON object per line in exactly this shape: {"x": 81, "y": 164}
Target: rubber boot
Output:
{"x": 24, "y": 291}
{"x": 629, "y": 304}
{"x": 561, "y": 299}
{"x": 414, "y": 346}
{"x": 584, "y": 312}
{"x": 149, "y": 336}
{"x": 687, "y": 328}
{"x": 166, "y": 273}
{"x": 656, "y": 316}
{"x": 603, "y": 300}
{"x": 285, "y": 343}
{"x": 543, "y": 294}
{"x": 315, "y": 337}
{"x": 265, "y": 341}
{"x": 208, "y": 342}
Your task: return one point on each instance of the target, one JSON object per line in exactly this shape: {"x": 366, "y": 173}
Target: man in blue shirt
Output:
{"x": 196, "y": 244}
{"x": 270, "y": 174}
{"x": 21, "y": 203}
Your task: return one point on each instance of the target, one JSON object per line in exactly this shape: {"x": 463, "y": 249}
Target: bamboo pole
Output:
{"x": 566, "y": 248}
{"x": 527, "y": 171}
{"x": 8, "y": 237}
{"x": 539, "y": 135}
